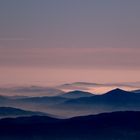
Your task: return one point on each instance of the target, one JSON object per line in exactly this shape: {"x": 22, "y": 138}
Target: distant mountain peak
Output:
{"x": 77, "y": 94}
{"x": 117, "y": 91}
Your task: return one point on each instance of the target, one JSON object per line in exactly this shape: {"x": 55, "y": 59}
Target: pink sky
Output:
{"x": 49, "y": 66}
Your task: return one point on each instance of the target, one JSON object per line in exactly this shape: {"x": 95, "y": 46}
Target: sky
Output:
{"x": 50, "y": 42}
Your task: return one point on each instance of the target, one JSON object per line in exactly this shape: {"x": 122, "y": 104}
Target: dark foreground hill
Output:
{"x": 107, "y": 126}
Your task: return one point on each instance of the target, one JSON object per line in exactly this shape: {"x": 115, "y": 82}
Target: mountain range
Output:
{"x": 77, "y": 103}
{"x": 115, "y": 100}
{"x": 74, "y": 115}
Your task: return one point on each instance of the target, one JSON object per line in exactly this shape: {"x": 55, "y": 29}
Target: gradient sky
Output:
{"x": 50, "y": 42}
